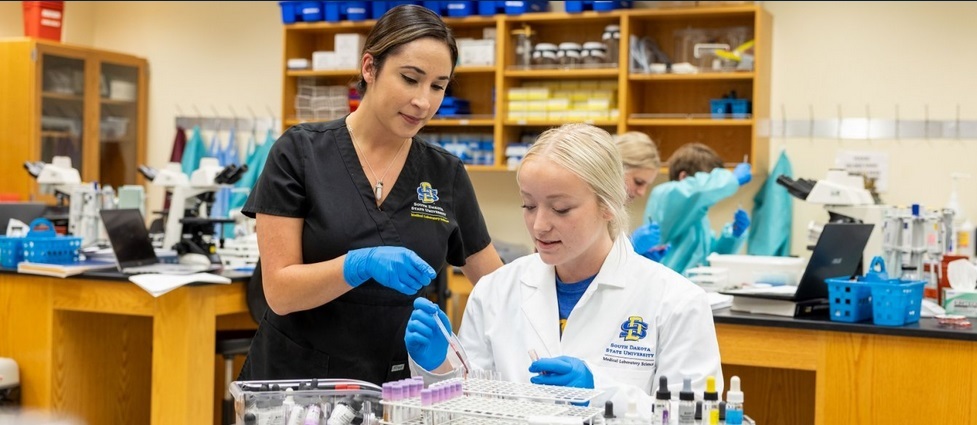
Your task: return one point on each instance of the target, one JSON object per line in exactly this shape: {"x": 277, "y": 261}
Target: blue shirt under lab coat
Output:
{"x": 682, "y": 209}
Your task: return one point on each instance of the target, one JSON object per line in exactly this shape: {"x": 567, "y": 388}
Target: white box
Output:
{"x": 349, "y": 48}
{"x": 749, "y": 269}
{"x": 476, "y": 52}
{"x": 962, "y": 302}
{"x": 323, "y": 60}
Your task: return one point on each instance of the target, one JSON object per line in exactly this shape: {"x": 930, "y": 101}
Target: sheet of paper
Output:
{"x": 159, "y": 284}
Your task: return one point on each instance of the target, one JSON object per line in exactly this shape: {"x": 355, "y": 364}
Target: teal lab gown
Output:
{"x": 681, "y": 208}
{"x": 772, "y": 214}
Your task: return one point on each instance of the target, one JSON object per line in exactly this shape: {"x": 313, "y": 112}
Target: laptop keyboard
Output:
{"x": 165, "y": 268}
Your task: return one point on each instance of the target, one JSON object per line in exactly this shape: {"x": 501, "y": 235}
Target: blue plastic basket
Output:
{"x": 849, "y": 300}
{"x": 43, "y": 245}
{"x": 896, "y": 304}
{"x": 11, "y": 251}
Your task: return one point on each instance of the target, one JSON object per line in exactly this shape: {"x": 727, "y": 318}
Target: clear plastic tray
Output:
{"x": 333, "y": 401}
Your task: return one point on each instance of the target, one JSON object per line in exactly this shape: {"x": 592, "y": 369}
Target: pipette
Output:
{"x": 453, "y": 344}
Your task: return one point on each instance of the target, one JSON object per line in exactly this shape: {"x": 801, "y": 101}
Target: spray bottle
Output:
{"x": 963, "y": 228}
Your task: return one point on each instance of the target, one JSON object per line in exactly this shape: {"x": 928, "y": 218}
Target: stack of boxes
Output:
{"x": 346, "y": 56}
{"x": 320, "y": 103}
{"x": 571, "y": 100}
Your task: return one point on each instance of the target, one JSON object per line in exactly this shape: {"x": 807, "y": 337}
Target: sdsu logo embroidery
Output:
{"x": 634, "y": 329}
{"x": 426, "y": 193}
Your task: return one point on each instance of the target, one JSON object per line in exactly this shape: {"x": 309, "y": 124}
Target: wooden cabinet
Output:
{"x": 673, "y": 109}
{"x": 63, "y": 100}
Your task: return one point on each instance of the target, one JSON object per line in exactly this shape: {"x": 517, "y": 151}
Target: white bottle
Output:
{"x": 963, "y": 228}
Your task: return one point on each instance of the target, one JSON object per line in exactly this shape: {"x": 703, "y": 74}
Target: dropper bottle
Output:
{"x": 663, "y": 403}
{"x": 710, "y": 403}
{"x": 734, "y": 402}
{"x": 686, "y": 404}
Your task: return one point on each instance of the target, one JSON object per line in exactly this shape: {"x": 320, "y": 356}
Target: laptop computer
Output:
{"x": 22, "y": 211}
{"x": 836, "y": 254}
{"x": 134, "y": 253}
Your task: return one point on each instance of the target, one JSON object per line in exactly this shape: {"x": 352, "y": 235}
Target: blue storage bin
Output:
{"x": 520, "y": 7}
{"x": 356, "y": 10}
{"x": 378, "y": 8}
{"x": 311, "y": 11}
{"x": 490, "y": 8}
{"x": 603, "y": 6}
{"x": 290, "y": 11}
{"x": 460, "y": 8}
{"x": 739, "y": 108}
{"x": 719, "y": 108}
{"x": 333, "y": 10}
{"x": 436, "y": 6}
{"x": 43, "y": 245}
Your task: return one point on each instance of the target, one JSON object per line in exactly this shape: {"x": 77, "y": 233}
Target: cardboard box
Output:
{"x": 960, "y": 302}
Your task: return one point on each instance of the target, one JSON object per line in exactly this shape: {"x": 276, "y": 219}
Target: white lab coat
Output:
{"x": 637, "y": 321}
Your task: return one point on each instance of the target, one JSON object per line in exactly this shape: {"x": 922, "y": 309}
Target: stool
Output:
{"x": 229, "y": 344}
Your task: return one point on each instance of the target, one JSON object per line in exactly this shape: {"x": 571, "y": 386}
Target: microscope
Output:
{"x": 63, "y": 181}
{"x": 846, "y": 200}
{"x": 189, "y": 227}
{"x": 907, "y": 238}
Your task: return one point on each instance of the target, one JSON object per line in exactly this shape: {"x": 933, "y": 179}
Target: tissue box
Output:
{"x": 962, "y": 302}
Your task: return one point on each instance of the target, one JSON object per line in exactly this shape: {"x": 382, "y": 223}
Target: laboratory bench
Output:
{"x": 816, "y": 371}
{"x": 106, "y": 351}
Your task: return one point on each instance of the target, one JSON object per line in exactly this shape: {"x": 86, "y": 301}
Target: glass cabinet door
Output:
{"x": 62, "y": 108}
{"x": 118, "y": 110}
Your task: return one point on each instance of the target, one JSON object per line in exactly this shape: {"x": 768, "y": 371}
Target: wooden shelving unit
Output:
{"x": 672, "y": 108}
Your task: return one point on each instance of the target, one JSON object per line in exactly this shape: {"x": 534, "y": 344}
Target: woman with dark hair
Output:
{"x": 356, "y": 216}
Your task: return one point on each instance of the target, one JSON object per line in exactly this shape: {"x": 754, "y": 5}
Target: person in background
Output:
{"x": 697, "y": 181}
{"x": 597, "y": 314}
{"x": 355, "y": 216}
{"x": 641, "y": 164}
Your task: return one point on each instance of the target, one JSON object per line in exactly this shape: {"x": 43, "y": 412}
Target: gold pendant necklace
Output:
{"x": 378, "y": 189}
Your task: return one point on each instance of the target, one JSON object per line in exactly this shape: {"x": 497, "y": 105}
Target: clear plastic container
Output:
{"x": 568, "y": 54}
{"x": 338, "y": 401}
{"x": 612, "y": 39}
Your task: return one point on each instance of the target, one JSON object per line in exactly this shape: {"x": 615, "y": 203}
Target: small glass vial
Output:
{"x": 547, "y": 54}
{"x": 569, "y": 54}
{"x": 734, "y": 402}
{"x": 663, "y": 403}
{"x": 686, "y": 404}
{"x": 612, "y": 39}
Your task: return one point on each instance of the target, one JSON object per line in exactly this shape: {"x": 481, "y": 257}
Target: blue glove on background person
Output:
{"x": 741, "y": 222}
{"x": 395, "y": 267}
{"x": 646, "y": 237}
{"x": 647, "y": 242}
{"x": 425, "y": 342}
{"x": 743, "y": 173}
{"x": 564, "y": 371}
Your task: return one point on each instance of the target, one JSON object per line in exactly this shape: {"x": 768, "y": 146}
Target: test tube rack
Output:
{"x": 495, "y": 402}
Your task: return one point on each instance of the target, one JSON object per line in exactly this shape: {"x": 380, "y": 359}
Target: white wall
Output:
{"x": 825, "y": 54}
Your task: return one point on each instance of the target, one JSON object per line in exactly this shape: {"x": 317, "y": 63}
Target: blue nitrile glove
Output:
{"x": 743, "y": 173}
{"x": 425, "y": 342}
{"x": 564, "y": 371}
{"x": 395, "y": 267}
{"x": 741, "y": 222}
{"x": 657, "y": 253}
{"x": 646, "y": 237}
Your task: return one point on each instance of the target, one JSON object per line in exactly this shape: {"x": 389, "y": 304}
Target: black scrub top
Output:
{"x": 313, "y": 172}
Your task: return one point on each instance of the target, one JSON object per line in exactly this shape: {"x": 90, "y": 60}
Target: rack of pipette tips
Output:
{"x": 479, "y": 399}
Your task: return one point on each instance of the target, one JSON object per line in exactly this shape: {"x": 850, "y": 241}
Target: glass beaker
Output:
{"x": 524, "y": 46}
